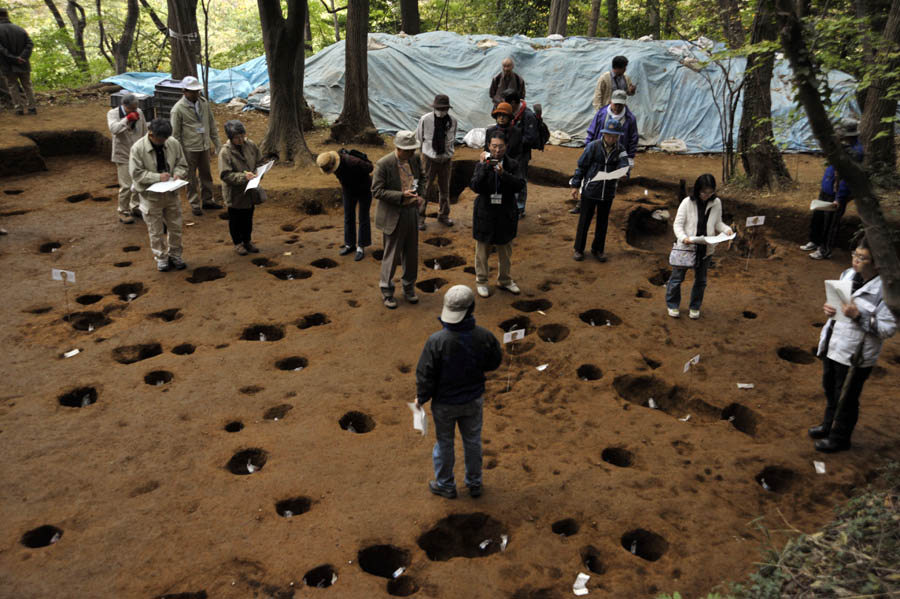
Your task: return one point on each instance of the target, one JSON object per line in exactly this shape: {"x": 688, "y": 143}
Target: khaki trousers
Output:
{"x": 162, "y": 214}
{"x": 504, "y": 254}
{"x": 19, "y": 96}
{"x": 198, "y": 163}
{"x": 401, "y": 247}
{"x": 128, "y": 200}
{"x": 441, "y": 172}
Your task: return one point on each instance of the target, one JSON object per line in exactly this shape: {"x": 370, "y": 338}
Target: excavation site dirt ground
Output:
{"x": 239, "y": 429}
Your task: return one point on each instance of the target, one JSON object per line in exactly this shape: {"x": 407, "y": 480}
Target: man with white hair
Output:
{"x": 194, "y": 126}
{"x": 395, "y": 184}
{"x": 127, "y": 124}
{"x": 505, "y": 80}
{"x": 451, "y": 372}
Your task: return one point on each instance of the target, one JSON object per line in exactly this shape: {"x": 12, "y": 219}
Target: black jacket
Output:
{"x": 528, "y": 126}
{"x": 495, "y": 223}
{"x": 513, "y": 140}
{"x": 14, "y": 43}
{"x": 355, "y": 175}
{"x": 594, "y": 159}
{"x": 453, "y": 362}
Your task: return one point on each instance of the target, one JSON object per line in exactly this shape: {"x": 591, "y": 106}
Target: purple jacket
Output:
{"x": 629, "y": 140}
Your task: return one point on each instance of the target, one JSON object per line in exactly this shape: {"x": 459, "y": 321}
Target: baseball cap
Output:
{"x": 191, "y": 83}
{"x": 619, "y": 97}
{"x": 457, "y": 302}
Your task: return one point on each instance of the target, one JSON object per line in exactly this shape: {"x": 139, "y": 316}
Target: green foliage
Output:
{"x": 53, "y": 68}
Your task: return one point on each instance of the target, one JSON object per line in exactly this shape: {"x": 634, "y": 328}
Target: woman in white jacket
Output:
{"x": 699, "y": 215}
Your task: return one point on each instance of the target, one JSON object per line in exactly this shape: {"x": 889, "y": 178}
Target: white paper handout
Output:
{"x": 166, "y": 186}
{"x": 62, "y": 275}
{"x": 513, "y": 335}
{"x": 420, "y": 422}
{"x": 837, "y": 293}
{"x": 820, "y": 205}
{"x": 254, "y": 182}
{"x": 819, "y": 466}
{"x": 580, "y": 585}
{"x": 714, "y": 239}
{"x": 616, "y": 174}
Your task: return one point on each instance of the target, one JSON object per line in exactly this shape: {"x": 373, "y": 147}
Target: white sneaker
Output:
{"x": 694, "y": 314}
{"x": 483, "y": 290}
{"x": 511, "y": 287}
{"x": 674, "y": 312}
{"x": 818, "y": 255}
{"x": 808, "y": 247}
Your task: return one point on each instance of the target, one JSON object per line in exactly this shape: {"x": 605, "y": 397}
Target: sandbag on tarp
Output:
{"x": 673, "y": 101}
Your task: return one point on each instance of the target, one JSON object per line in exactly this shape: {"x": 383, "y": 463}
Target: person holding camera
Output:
{"x": 495, "y": 217}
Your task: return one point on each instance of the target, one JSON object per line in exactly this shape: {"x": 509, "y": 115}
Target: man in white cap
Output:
{"x": 451, "y": 372}
{"x": 127, "y": 125}
{"x": 194, "y": 127}
{"x": 395, "y": 184}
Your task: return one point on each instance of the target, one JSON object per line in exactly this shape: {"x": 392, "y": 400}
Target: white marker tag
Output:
{"x": 496, "y": 198}
{"x": 542, "y": 367}
{"x": 72, "y": 352}
{"x": 580, "y": 585}
{"x": 820, "y": 467}
{"x": 755, "y": 221}
{"x": 62, "y": 275}
{"x": 745, "y": 385}
{"x": 513, "y": 335}
{"x": 691, "y": 362}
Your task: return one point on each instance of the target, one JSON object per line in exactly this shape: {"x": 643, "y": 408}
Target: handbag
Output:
{"x": 683, "y": 255}
{"x": 257, "y": 195}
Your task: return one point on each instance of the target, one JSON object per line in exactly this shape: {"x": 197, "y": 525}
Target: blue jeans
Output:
{"x": 469, "y": 417}
{"x": 673, "y": 287}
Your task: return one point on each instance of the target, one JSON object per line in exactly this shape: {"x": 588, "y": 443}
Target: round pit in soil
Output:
{"x": 131, "y": 248}
{"x": 324, "y": 263}
{"x": 357, "y": 422}
{"x": 320, "y": 577}
{"x": 402, "y": 586}
{"x": 444, "y": 262}
{"x": 645, "y": 544}
{"x": 516, "y": 323}
{"x": 748, "y": 314}
{"x": 234, "y": 426}
{"x": 382, "y": 560}
{"x": 49, "y": 247}
{"x": 598, "y": 318}
{"x": 78, "y": 398}
{"x": 431, "y": 285}
{"x": 122, "y": 264}
{"x": 129, "y": 354}
{"x": 592, "y": 560}
{"x": 532, "y": 305}
{"x": 565, "y": 527}
{"x": 288, "y": 508}
{"x": 290, "y": 274}
{"x": 158, "y": 377}
{"x": 741, "y": 417}
{"x": 263, "y": 262}
{"x": 263, "y": 332}
{"x": 128, "y": 292}
{"x": 87, "y": 321}
{"x": 775, "y": 479}
{"x": 617, "y": 456}
{"x": 88, "y": 299}
{"x": 588, "y": 372}
{"x": 247, "y": 461}
{"x": 553, "y": 333}
{"x": 316, "y": 319}
{"x": 78, "y": 197}
{"x": 278, "y": 412}
{"x": 169, "y": 315}
{"x": 293, "y": 363}
{"x": 204, "y": 274}
{"x": 184, "y": 349}
{"x": 462, "y": 535}
{"x": 438, "y": 241}
{"x": 659, "y": 277}
{"x": 42, "y": 536}
{"x": 795, "y": 355}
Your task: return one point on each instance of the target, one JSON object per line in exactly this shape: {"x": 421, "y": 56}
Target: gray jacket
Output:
{"x": 866, "y": 334}
{"x": 195, "y": 134}
{"x": 123, "y": 135}
{"x": 142, "y": 164}
{"x": 387, "y": 189}
{"x": 14, "y": 44}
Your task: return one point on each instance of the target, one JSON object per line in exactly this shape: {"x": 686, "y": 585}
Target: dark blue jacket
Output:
{"x": 496, "y": 224}
{"x": 526, "y": 122}
{"x": 843, "y": 192}
{"x": 453, "y": 362}
{"x": 629, "y": 139}
{"x": 594, "y": 159}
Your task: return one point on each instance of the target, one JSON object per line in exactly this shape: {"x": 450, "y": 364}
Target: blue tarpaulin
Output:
{"x": 673, "y": 101}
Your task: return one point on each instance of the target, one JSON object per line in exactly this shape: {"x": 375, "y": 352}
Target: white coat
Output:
{"x": 685, "y": 225}
{"x": 875, "y": 324}
{"x": 123, "y": 136}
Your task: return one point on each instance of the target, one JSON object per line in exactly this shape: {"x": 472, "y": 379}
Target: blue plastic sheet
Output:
{"x": 405, "y": 72}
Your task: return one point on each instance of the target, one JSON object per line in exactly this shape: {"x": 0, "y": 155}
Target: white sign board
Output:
{"x": 513, "y": 335}
{"x": 755, "y": 221}
{"x": 62, "y": 275}
{"x": 691, "y": 362}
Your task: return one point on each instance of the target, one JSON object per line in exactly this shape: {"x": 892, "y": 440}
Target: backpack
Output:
{"x": 356, "y": 154}
{"x": 544, "y": 134}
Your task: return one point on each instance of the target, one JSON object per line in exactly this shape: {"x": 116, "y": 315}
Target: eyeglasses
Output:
{"x": 861, "y": 257}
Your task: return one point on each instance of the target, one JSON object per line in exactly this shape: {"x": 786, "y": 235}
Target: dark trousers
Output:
{"x": 365, "y": 226}
{"x": 522, "y": 196}
{"x": 842, "y": 397}
{"x": 584, "y": 223}
{"x": 823, "y": 227}
{"x": 240, "y": 224}
{"x": 673, "y": 287}
{"x": 468, "y": 417}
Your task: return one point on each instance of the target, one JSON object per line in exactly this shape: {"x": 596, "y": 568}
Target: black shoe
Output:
{"x": 575, "y": 210}
{"x": 32, "y": 111}
{"x": 447, "y": 494}
{"x": 598, "y": 255}
{"x": 831, "y": 445}
{"x": 476, "y": 491}
{"x": 819, "y": 432}
{"x": 345, "y": 249}
{"x": 212, "y": 206}
{"x": 578, "y": 256}
{"x": 359, "y": 255}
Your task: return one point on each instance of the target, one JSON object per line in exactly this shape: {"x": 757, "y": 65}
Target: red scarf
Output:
{"x": 520, "y": 113}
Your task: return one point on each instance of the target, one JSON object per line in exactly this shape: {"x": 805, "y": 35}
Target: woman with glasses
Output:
{"x": 849, "y": 346}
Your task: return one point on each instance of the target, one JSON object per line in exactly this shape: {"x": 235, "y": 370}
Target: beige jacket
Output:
{"x": 603, "y": 91}
{"x": 142, "y": 163}
{"x": 194, "y": 134}
{"x": 234, "y": 161}
{"x": 123, "y": 136}
{"x": 387, "y": 188}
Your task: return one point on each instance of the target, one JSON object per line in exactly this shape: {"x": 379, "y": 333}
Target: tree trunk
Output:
{"x": 878, "y": 233}
{"x": 355, "y": 124}
{"x": 669, "y": 19}
{"x": 75, "y": 51}
{"x": 881, "y": 153}
{"x": 285, "y": 56}
{"x": 409, "y": 17}
{"x": 595, "y": 18}
{"x": 803, "y": 7}
{"x": 337, "y": 23}
{"x": 185, "y": 37}
{"x": 612, "y": 17}
{"x": 761, "y": 159}
{"x": 559, "y": 15}
{"x": 307, "y": 44}
{"x": 121, "y": 48}
{"x": 730, "y": 13}
{"x": 653, "y": 17}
